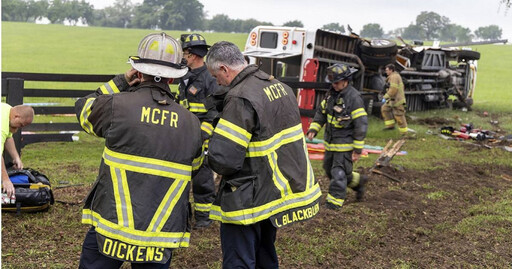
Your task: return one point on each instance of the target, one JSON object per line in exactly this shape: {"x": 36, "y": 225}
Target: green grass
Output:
{"x": 80, "y": 50}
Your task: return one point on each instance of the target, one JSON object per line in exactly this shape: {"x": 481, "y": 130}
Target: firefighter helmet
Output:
{"x": 195, "y": 43}
{"x": 339, "y": 72}
{"x": 159, "y": 55}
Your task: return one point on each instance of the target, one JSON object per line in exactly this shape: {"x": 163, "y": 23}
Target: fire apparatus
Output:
{"x": 433, "y": 76}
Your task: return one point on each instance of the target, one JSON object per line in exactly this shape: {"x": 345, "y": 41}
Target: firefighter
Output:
{"x": 259, "y": 149}
{"x": 342, "y": 112}
{"x": 138, "y": 207}
{"x": 193, "y": 89}
{"x": 393, "y": 109}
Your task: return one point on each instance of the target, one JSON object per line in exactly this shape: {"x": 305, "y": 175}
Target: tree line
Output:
{"x": 190, "y": 15}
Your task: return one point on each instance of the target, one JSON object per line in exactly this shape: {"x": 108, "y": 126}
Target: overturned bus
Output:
{"x": 433, "y": 76}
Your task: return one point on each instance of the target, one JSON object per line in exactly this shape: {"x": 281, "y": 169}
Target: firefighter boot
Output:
{"x": 360, "y": 189}
{"x": 202, "y": 220}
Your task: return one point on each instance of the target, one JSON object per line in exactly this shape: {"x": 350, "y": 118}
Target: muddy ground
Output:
{"x": 413, "y": 223}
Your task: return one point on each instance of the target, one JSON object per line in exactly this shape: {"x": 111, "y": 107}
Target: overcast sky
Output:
{"x": 389, "y": 14}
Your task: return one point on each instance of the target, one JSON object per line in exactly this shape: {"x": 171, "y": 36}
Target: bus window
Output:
{"x": 268, "y": 40}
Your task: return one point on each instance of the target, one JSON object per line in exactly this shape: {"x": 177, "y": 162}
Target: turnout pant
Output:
{"x": 248, "y": 246}
{"x": 91, "y": 258}
{"x": 203, "y": 190}
{"x": 338, "y": 167}
{"x": 390, "y": 114}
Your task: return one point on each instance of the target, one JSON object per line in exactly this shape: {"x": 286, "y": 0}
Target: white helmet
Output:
{"x": 160, "y": 56}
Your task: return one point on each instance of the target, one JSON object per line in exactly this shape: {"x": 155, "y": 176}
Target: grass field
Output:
{"x": 431, "y": 164}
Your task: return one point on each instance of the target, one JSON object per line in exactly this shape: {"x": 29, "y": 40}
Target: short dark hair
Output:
{"x": 391, "y": 67}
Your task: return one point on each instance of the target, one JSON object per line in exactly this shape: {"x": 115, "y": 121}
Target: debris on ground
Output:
{"x": 479, "y": 137}
{"x": 316, "y": 150}
{"x": 384, "y": 160}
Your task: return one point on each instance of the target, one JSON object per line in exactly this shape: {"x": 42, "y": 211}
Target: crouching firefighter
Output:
{"x": 342, "y": 112}
{"x": 138, "y": 207}
{"x": 193, "y": 89}
{"x": 259, "y": 149}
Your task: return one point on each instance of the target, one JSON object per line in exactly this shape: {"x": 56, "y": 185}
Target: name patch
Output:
{"x": 295, "y": 215}
{"x": 125, "y": 252}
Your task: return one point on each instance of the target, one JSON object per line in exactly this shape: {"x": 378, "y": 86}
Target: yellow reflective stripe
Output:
{"x": 147, "y": 165}
{"x": 233, "y": 132}
{"x": 280, "y": 182}
{"x": 197, "y": 162}
{"x": 84, "y": 115}
{"x": 322, "y": 105}
{"x": 122, "y": 197}
{"x": 358, "y": 113}
{"x": 336, "y": 201}
{"x": 197, "y": 107}
{"x": 402, "y": 130}
{"x": 135, "y": 237}
{"x": 207, "y": 127}
{"x": 167, "y": 205}
{"x": 356, "y": 177}
{"x": 252, "y": 215}
{"x": 202, "y": 207}
{"x": 315, "y": 126}
{"x": 338, "y": 147}
{"x": 205, "y": 143}
{"x": 310, "y": 174}
{"x": 332, "y": 120}
{"x": 265, "y": 147}
{"x": 389, "y": 122}
{"x": 109, "y": 88}
{"x": 358, "y": 144}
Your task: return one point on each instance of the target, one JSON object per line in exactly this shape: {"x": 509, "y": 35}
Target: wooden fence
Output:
{"x": 13, "y": 88}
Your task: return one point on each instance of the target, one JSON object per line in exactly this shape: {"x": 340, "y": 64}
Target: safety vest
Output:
{"x": 139, "y": 202}
{"x": 259, "y": 149}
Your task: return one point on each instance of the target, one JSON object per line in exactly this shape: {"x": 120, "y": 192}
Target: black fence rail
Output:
{"x": 13, "y": 88}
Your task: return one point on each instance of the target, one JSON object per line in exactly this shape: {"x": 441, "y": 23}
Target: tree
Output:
{"x": 413, "y": 32}
{"x": 395, "y": 33}
{"x": 221, "y": 23}
{"x": 507, "y": 4}
{"x": 182, "y": 15}
{"x": 23, "y": 10}
{"x": 146, "y": 15}
{"x": 454, "y": 32}
{"x": 118, "y": 15}
{"x": 37, "y": 9}
{"x": 431, "y": 23}
{"x": 335, "y": 27}
{"x": 372, "y": 30}
{"x": 295, "y": 23}
{"x": 489, "y": 32}
{"x": 57, "y": 11}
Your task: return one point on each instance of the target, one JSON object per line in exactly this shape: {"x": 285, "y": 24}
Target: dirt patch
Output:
{"x": 416, "y": 223}
{"x": 433, "y": 121}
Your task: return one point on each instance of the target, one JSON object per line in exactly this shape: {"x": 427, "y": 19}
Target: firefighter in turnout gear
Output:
{"x": 342, "y": 112}
{"x": 193, "y": 89}
{"x": 393, "y": 109}
{"x": 259, "y": 149}
{"x": 139, "y": 205}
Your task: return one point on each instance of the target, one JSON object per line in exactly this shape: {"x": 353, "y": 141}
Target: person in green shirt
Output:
{"x": 13, "y": 118}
